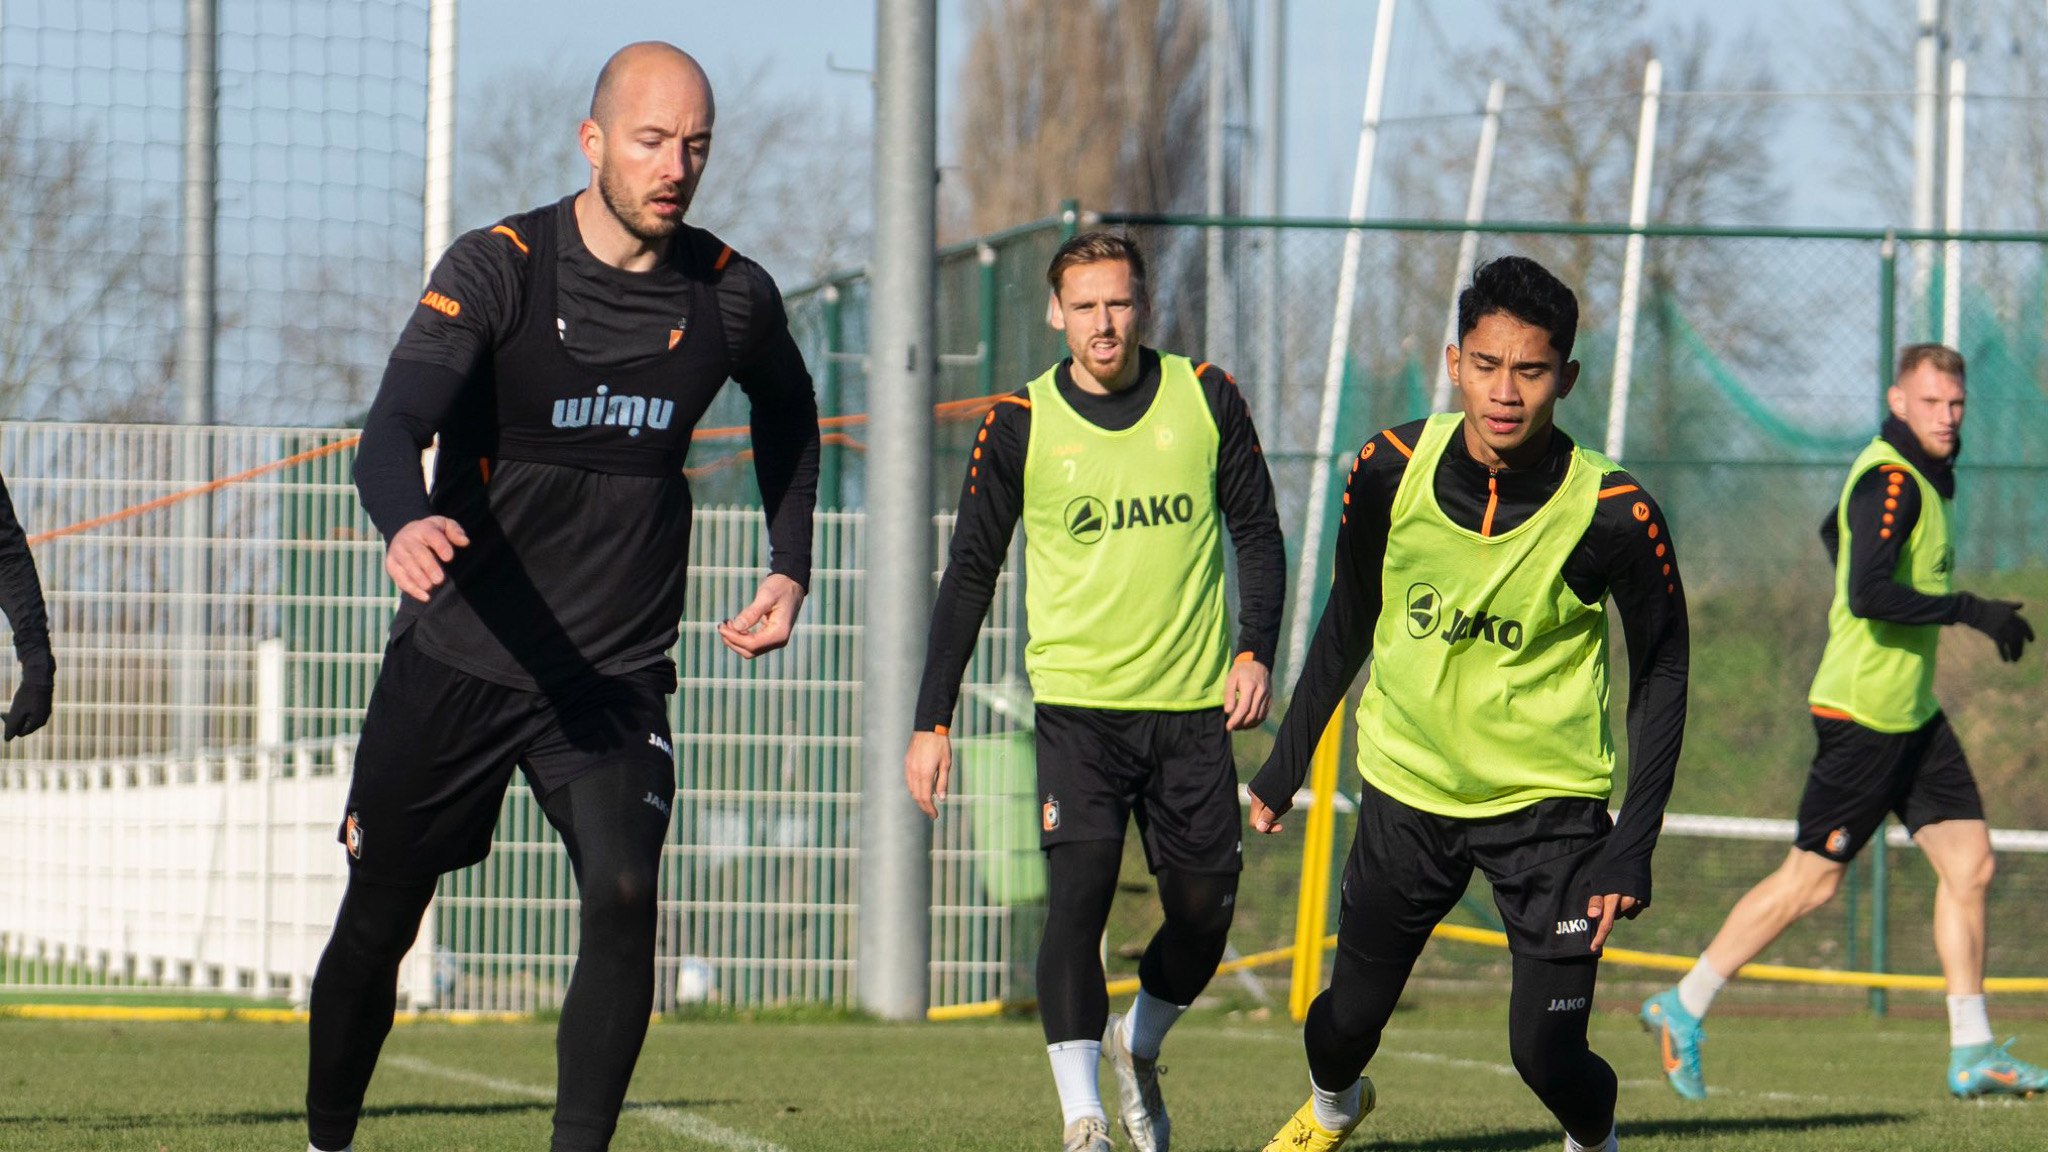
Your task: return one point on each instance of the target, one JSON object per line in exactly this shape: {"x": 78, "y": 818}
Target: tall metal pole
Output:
{"x": 1219, "y": 297}
{"x": 1926, "y": 126}
{"x": 894, "y": 945}
{"x": 1952, "y": 216}
{"x": 832, "y": 462}
{"x": 197, "y": 237}
{"x": 440, "y": 183}
{"x": 1307, "y": 577}
{"x": 1272, "y": 99}
{"x": 1632, "y": 262}
{"x": 1468, "y": 246}
{"x": 1887, "y": 319}
{"x": 196, "y": 243}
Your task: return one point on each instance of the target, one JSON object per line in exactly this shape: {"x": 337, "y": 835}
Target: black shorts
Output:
{"x": 438, "y": 747}
{"x": 1860, "y": 774}
{"x": 1097, "y": 767}
{"x": 1408, "y": 868}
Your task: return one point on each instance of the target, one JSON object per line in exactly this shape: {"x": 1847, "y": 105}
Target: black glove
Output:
{"x": 31, "y": 708}
{"x": 1998, "y": 619}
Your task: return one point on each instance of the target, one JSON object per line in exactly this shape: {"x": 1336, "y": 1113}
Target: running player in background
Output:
{"x": 563, "y": 356}
{"x": 21, "y": 597}
{"x": 1483, "y": 727}
{"x": 1885, "y": 744}
{"x": 1125, "y": 465}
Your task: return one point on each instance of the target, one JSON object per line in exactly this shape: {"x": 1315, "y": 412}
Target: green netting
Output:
{"x": 1763, "y": 418}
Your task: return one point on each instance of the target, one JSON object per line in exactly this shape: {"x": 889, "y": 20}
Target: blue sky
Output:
{"x": 1439, "y": 64}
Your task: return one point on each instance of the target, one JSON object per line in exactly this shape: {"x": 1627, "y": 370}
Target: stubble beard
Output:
{"x": 631, "y": 213}
{"x": 1103, "y": 373}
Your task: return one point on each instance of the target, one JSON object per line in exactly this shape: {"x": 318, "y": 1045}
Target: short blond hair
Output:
{"x": 1941, "y": 357}
{"x": 1095, "y": 248}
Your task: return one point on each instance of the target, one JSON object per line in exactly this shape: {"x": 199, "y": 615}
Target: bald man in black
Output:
{"x": 563, "y": 357}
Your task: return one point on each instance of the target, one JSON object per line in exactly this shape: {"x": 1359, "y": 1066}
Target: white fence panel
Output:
{"x": 214, "y": 872}
{"x": 132, "y": 855}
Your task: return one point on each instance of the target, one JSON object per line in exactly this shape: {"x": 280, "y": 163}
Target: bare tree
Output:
{"x": 85, "y": 299}
{"x": 1083, "y": 99}
{"x": 1568, "y": 145}
{"x": 789, "y": 183}
{"x": 517, "y": 142}
{"x": 786, "y": 185}
{"x": 2005, "y": 43}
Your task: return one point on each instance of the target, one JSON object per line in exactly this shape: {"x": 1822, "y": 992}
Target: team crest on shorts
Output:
{"x": 352, "y": 835}
{"x": 1838, "y": 841}
{"x": 1049, "y": 814}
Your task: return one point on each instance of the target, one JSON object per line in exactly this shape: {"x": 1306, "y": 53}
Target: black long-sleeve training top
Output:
{"x": 992, "y": 501}
{"x": 1616, "y": 557}
{"x": 565, "y": 392}
{"x": 1874, "y": 591}
{"x": 21, "y": 597}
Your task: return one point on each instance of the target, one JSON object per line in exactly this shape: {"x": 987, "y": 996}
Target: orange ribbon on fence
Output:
{"x": 950, "y": 410}
{"x": 189, "y": 493}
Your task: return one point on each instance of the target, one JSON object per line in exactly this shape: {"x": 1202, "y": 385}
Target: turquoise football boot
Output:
{"x": 1679, "y": 1034}
{"x": 1989, "y": 1070}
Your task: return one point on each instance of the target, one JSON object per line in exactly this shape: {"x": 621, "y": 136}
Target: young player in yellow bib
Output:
{"x": 1474, "y": 555}
{"x": 1125, "y": 466}
{"x": 1885, "y": 745}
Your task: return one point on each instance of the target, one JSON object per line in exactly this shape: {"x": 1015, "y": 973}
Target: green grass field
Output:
{"x": 1802, "y": 1085}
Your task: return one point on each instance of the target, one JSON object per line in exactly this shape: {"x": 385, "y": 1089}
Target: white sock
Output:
{"x": 1073, "y": 1072}
{"x": 1968, "y": 1023}
{"x": 1607, "y": 1145}
{"x": 1145, "y": 1025}
{"x": 1335, "y": 1111}
{"x": 1696, "y": 991}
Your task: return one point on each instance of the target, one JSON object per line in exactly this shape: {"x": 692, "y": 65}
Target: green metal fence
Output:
{"x": 1758, "y": 370}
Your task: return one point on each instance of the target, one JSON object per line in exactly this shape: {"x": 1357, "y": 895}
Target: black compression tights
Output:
{"x": 355, "y": 989}
{"x": 1183, "y": 954}
{"x": 614, "y": 848}
{"x": 1547, "y": 1015}
{"x": 604, "y": 1014}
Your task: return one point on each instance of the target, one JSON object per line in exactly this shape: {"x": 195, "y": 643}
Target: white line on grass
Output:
{"x": 1500, "y": 1069}
{"x": 681, "y": 1123}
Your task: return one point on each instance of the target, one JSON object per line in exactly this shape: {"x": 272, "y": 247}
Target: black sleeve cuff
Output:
{"x": 796, "y": 569}
{"x": 38, "y": 666}
{"x": 1629, "y": 878}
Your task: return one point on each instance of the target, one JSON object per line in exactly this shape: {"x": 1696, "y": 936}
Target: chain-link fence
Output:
{"x": 321, "y": 130}
{"x": 1744, "y": 450}
{"x": 1757, "y": 374}
{"x": 175, "y": 825}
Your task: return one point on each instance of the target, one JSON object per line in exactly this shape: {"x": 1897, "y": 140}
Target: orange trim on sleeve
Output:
{"x": 1396, "y": 442}
{"x": 1204, "y": 366}
{"x": 483, "y": 465}
{"x": 509, "y": 234}
{"x": 941, "y": 729}
{"x": 1618, "y": 490}
{"x": 1244, "y": 658}
{"x": 718, "y": 265}
{"x": 1831, "y": 713}
{"x": 1019, "y": 401}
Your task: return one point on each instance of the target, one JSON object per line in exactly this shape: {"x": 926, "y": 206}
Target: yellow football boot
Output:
{"x": 1302, "y": 1134}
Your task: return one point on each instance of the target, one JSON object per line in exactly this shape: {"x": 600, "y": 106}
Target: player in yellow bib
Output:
{"x": 1125, "y": 465}
{"x": 1474, "y": 557}
{"x": 1885, "y": 745}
